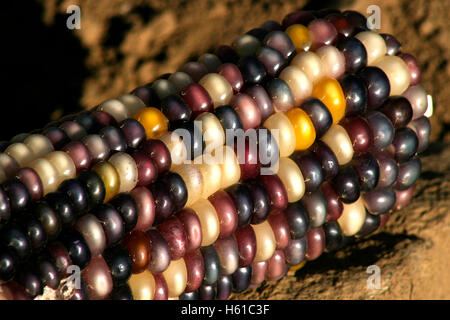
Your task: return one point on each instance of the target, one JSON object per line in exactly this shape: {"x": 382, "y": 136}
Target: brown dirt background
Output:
{"x": 123, "y": 44}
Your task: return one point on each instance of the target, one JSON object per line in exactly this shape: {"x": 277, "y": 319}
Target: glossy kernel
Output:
{"x": 295, "y": 251}
{"x": 300, "y": 36}
{"x": 115, "y": 108}
{"x": 39, "y": 144}
{"x": 132, "y": 102}
{"x": 18, "y": 195}
{"x": 339, "y": 142}
{"x": 323, "y": 33}
{"x": 272, "y": 60}
{"x": 232, "y": 74}
{"x": 352, "y": 218}
{"x": 164, "y": 204}
{"x": 195, "y": 270}
{"x": 258, "y": 273}
{"x": 262, "y": 99}
{"x": 355, "y": 93}
{"x": 333, "y": 235}
{"x": 265, "y": 241}
{"x": 422, "y": 128}
{"x": 355, "y": 54}
{"x": 377, "y": 84}
{"x": 110, "y": 179}
{"x": 310, "y": 167}
{"x": 133, "y": 132}
{"x": 280, "y": 41}
{"x": 176, "y": 277}
{"x": 327, "y": 159}
{"x": 226, "y": 211}
{"x": 209, "y": 221}
{"x": 417, "y": 97}
{"x": 112, "y": 223}
{"x": 195, "y": 70}
{"x": 246, "y": 45}
{"x": 397, "y": 72}
{"x": 146, "y": 207}
{"x": 333, "y": 61}
{"x": 153, "y": 121}
{"x": 280, "y": 228}
{"x": 280, "y": 94}
{"x": 260, "y": 199}
{"x": 329, "y": 91}
{"x": 380, "y": 200}
{"x": 173, "y": 232}
{"x": 63, "y": 164}
{"x": 228, "y": 252}
{"x": 247, "y": 110}
{"x": 282, "y": 130}
{"x": 91, "y": 229}
{"x": 20, "y": 152}
{"x": 80, "y": 155}
{"x": 74, "y": 130}
{"x": 98, "y": 278}
{"x": 277, "y": 266}
{"x": 146, "y": 168}
{"x": 138, "y": 246}
{"x": 218, "y": 87}
{"x": 175, "y": 109}
{"x": 32, "y": 181}
{"x": 334, "y": 205}
{"x": 142, "y": 285}
{"x": 305, "y": 134}
{"x": 231, "y": 171}
{"x": 359, "y": 132}
{"x": 192, "y": 227}
{"x": 341, "y": 23}
{"x": 97, "y": 147}
{"x": 404, "y": 145}
{"x": 246, "y": 241}
{"x": 374, "y": 44}
{"x": 311, "y": 64}
{"x": 125, "y": 204}
{"x": 159, "y": 252}
{"x": 213, "y": 171}
{"x": 316, "y": 243}
{"x": 276, "y": 191}
{"x": 316, "y": 206}
{"x": 177, "y": 150}
{"x": 299, "y": 83}
{"x": 193, "y": 179}
{"x": 292, "y": 178}
{"x": 163, "y": 88}
{"x": 212, "y": 130}
{"x": 197, "y": 98}
{"x": 242, "y": 198}
{"x": 346, "y": 184}
{"x": 126, "y": 169}
{"x": 393, "y": 46}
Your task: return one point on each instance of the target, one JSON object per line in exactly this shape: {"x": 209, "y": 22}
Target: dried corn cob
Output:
{"x": 342, "y": 139}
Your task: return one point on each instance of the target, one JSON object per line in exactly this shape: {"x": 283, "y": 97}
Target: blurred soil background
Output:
{"x": 49, "y": 71}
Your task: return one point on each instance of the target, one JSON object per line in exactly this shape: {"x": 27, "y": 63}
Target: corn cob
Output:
{"x": 343, "y": 140}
